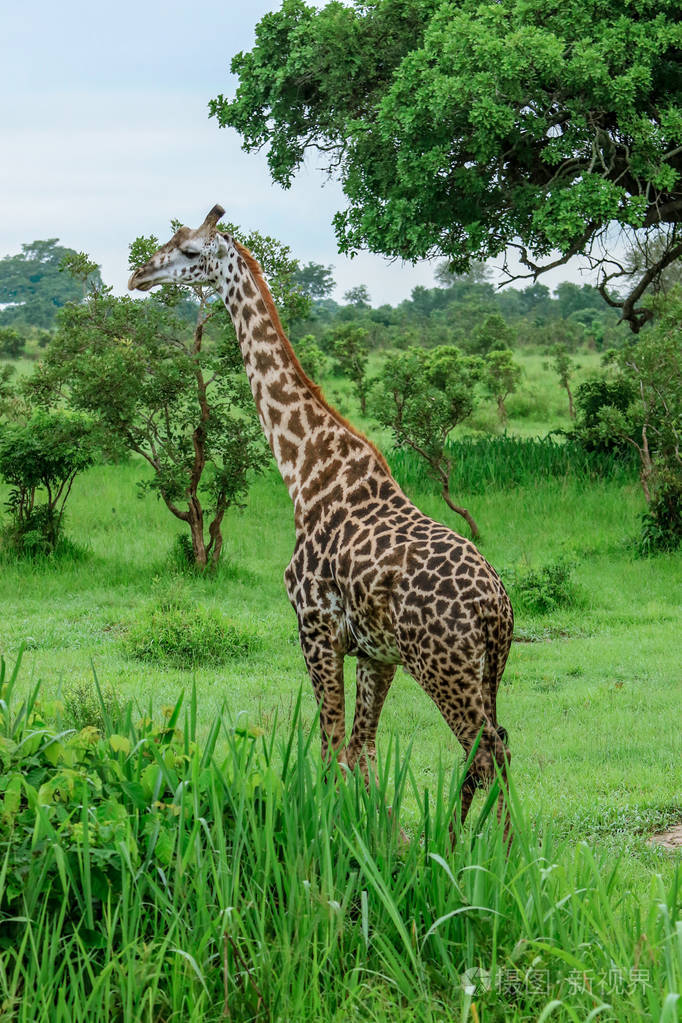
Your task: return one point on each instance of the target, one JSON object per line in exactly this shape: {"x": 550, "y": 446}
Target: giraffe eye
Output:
{"x": 190, "y": 253}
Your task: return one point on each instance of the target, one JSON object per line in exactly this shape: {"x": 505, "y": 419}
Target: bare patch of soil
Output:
{"x": 670, "y": 839}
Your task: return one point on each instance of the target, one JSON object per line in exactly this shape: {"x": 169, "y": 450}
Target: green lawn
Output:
{"x": 590, "y": 698}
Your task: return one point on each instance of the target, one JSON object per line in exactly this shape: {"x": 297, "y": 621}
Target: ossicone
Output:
{"x": 214, "y": 216}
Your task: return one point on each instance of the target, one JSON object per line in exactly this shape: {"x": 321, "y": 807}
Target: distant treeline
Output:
{"x": 465, "y": 310}
{"x": 475, "y": 315}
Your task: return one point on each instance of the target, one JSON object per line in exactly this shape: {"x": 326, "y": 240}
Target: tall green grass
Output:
{"x": 498, "y": 463}
{"x": 271, "y": 888}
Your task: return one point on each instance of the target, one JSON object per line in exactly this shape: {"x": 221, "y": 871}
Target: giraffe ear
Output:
{"x": 214, "y": 216}
{"x": 221, "y": 243}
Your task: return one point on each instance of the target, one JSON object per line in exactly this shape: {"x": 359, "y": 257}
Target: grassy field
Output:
{"x": 590, "y": 698}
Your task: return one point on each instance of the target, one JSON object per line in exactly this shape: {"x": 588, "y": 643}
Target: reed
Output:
{"x": 480, "y": 464}
{"x": 256, "y": 883}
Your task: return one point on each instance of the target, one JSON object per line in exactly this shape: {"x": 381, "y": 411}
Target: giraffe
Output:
{"x": 370, "y": 576}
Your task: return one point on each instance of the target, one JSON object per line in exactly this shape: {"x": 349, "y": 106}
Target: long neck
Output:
{"x": 315, "y": 449}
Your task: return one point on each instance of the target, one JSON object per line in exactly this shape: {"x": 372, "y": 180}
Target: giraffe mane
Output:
{"x": 257, "y": 273}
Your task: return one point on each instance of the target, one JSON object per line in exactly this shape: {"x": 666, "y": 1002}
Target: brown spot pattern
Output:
{"x": 370, "y": 576}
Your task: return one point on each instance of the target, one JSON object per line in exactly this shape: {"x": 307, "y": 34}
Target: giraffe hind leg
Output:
{"x": 463, "y": 697}
{"x": 373, "y": 680}
{"x": 498, "y": 642}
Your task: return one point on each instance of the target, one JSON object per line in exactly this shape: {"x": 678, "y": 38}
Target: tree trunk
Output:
{"x": 501, "y": 408}
{"x": 196, "y": 525}
{"x": 215, "y": 545}
{"x": 571, "y": 410}
{"x": 647, "y": 465}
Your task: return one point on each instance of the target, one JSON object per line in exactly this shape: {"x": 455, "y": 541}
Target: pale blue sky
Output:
{"x": 105, "y": 135}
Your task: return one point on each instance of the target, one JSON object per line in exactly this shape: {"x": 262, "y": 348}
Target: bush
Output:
{"x": 181, "y": 555}
{"x": 74, "y": 799}
{"x": 37, "y": 532}
{"x": 87, "y": 706}
{"x": 148, "y": 873}
{"x": 34, "y": 538}
{"x": 662, "y": 524}
{"x": 311, "y": 356}
{"x": 12, "y": 343}
{"x": 40, "y": 459}
{"x": 545, "y": 589}
{"x": 177, "y": 631}
{"x": 591, "y": 397}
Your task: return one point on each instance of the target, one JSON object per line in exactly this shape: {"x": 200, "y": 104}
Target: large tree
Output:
{"x": 461, "y": 128}
{"x": 32, "y": 289}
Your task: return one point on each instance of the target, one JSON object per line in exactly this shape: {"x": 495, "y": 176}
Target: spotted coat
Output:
{"x": 370, "y": 576}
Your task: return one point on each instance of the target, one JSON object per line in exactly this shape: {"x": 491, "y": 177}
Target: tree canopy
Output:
{"x": 32, "y": 287}
{"x": 461, "y": 128}
{"x": 421, "y": 396}
{"x": 315, "y": 280}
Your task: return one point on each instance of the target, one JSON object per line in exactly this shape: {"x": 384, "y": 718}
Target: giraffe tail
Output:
{"x": 499, "y": 628}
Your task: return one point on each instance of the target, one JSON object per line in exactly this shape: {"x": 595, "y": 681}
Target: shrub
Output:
{"x": 181, "y": 554}
{"x": 74, "y": 801}
{"x": 311, "y": 356}
{"x": 40, "y": 459}
{"x": 591, "y": 397}
{"x": 177, "y": 631}
{"x": 662, "y": 524}
{"x": 12, "y": 343}
{"x": 87, "y": 706}
{"x": 545, "y": 589}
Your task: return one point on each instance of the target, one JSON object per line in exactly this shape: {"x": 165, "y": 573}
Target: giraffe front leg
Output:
{"x": 325, "y": 667}
{"x": 373, "y": 680}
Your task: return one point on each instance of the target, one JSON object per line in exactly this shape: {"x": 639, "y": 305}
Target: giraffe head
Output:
{"x": 190, "y": 257}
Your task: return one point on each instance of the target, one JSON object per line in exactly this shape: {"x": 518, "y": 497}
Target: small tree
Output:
{"x": 421, "y": 396}
{"x": 12, "y": 343}
{"x": 493, "y": 334}
{"x": 651, "y": 370}
{"x": 31, "y": 286}
{"x": 311, "y": 356}
{"x": 478, "y": 273}
{"x": 563, "y": 366}
{"x": 315, "y": 280}
{"x": 39, "y": 459}
{"x": 175, "y": 395}
{"x": 351, "y": 353}
{"x": 358, "y": 296}
{"x": 500, "y": 378}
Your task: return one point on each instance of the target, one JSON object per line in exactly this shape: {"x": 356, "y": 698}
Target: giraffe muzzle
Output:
{"x": 137, "y": 283}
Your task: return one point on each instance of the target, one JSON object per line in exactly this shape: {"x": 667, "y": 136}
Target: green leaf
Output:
{"x": 151, "y": 781}
{"x": 12, "y": 797}
{"x": 54, "y": 752}
{"x": 119, "y": 743}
